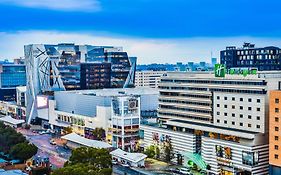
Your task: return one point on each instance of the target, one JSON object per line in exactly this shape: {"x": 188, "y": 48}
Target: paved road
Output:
{"x": 57, "y": 154}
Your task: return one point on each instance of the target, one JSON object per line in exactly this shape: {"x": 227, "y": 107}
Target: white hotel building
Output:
{"x": 148, "y": 78}
{"x": 224, "y": 120}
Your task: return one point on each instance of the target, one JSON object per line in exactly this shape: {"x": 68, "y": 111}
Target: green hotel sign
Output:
{"x": 220, "y": 71}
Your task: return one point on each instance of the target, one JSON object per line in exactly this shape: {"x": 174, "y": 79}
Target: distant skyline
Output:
{"x": 155, "y": 31}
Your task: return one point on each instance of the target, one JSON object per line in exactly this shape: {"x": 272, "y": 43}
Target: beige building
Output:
{"x": 148, "y": 78}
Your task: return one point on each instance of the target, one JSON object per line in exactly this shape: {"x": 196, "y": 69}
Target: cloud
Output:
{"x": 63, "y": 5}
{"x": 147, "y": 50}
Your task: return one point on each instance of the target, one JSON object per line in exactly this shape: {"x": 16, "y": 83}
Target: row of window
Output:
{"x": 184, "y": 109}
{"x": 241, "y": 107}
{"x": 184, "y": 116}
{"x": 185, "y": 102}
{"x": 241, "y": 115}
{"x": 241, "y": 124}
{"x": 240, "y": 99}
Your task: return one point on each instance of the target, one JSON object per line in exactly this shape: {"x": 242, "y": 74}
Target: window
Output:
{"x": 225, "y": 114}
{"x": 233, "y": 115}
{"x": 218, "y": 105}
{"x": 276, "y": 138}
{"x": 218, "y": 97}
{"x": 258, "y": 126}
{"x": 258, "y": 100}
{"x": 249, "y": 125}
{"x": 225, "y": 106}
{"x": 276, "y": 147}
{"x": 241, "y": 107}
{"x": 233, "y": 123}
{"x": 249, "y": 117}
{"x": 241, "y": 124}
{"x": 241, "y": 99}
{"x": 249, "y": 108}
{"x": 258, "y": 117}
{"x": 233, "y": 107}
{"x": 218, "y": 121}
{"x": 276, "y": 100}
{"x": 241, "y": 115}
{"x": 225, "y": 98}
{"x": 218, "y": 113}
{"x": 233, "y": 98}
{"x": 276, "y": 156}
{"x": 258, "y": 109}
{"x": 225, "y": 122}
{"x": 276, "y": 119}
{"x": 276, "y": 110}
{"x": 276, "y": 128}
{"x": 249, "y": 100}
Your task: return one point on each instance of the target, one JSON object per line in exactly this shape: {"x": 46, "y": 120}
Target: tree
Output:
{"x": 168, "y": 152}
{"x": 23, "y": 151}
{"x": 150, "y": 151}
{"x": 87, "y": 161}
{"x": 99, "y": 133}
{"x": 67, "y": 130}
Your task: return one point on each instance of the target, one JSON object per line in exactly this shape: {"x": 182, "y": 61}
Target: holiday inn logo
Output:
{"x": 220, "y": 70}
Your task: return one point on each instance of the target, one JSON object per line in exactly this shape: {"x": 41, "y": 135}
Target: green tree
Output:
{"x": 23, "y": 151}
{"x": 168, "y": 152}
{"x": 157, "y": 152}
{"x": 99, "y": 133}
{"x": 150, "y": 151}
{"x": 87, "y": 161}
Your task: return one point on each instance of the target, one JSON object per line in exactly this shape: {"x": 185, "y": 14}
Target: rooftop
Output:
{"x": 12, "y": 172}
{"x": 73, "y": 137}
{"x": 132, "y": 157}
{"x": 11, "y": 120}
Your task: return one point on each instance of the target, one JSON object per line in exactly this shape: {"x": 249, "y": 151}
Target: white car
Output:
{"x": 52, "y": 142}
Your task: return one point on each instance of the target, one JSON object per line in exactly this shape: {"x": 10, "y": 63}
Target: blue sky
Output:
{"x": 153, "y": 30}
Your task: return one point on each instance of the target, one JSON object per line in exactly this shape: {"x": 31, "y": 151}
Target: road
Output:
{"x": 57, "y": 154}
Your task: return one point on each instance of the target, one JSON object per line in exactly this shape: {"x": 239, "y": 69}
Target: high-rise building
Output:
{"x": 274, "y": 132}
{"x": 57, "y": 67}
{"x": 148, "y": 78}
{"x": 213, "y": 61}
{"x": 11, "y": 76}
{"x": 218, "y": 123}
{"x": 267, "y": 58}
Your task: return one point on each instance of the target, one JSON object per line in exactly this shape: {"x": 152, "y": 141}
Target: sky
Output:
{"x": 156, "y": 31}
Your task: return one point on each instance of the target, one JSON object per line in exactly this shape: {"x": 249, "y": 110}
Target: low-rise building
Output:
{"x": 148, "y": 78}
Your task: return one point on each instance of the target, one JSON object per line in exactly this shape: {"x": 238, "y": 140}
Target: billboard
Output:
{"x": 42, "y": 101}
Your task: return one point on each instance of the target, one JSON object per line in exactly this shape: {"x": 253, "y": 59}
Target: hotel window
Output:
{"x": 249, "y": 100}
{"x": 218, "y": 97}
{"x": 241, "y": 124}
{"x": 276, "y": 110}
{"x": 225, "y": 98}
{"x": 276, "y": 128}
{"x": 276, "y": 100}
{"x": 276, "y": 138}
{"x": 276, "y": 156}
{"x": 233, "y": 123}
{"x": 241, "y": 99}
{"x": 276, "y": 147}
{"x": 233, "y": 115}
{"x": 233, "y": 98}
{"x": 258, "y": 126}
{"x": 218, "y": 105}
{"x": 249, "y": 108}
{"x": 258, "y": 100}
{"x": 249, "y": 125}
{"x": 258, "y": 109}
{"x": 233, "y": 107}
{"x": 276, "y": 119}
{"x": 225, "y": 106}
{"x": 241, "y": 107}
{"x": 225, "y": 122}
{"x": 218, "y": 113}
{"x": 249, "y": 117}
{"x": 258, "y": 117}
{"x": 225, "y": 114}
{"x": 218, "y": 120}
{"x": 241, "y": 115}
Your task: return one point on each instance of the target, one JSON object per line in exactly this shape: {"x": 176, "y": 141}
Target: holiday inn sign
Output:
{"x": 220, "y": 71}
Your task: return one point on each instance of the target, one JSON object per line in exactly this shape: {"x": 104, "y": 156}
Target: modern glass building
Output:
{"x": 267, "y": 58}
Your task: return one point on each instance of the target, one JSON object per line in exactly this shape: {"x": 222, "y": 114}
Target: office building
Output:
{"x": 274, "y": 132}
{"x": 58, "y": 67}
{"x": 267, "y": 58}
{"x": 218, "y": 123}
{"x": 11, "y": 76}
{"x": 125, "y": 122}
{"x": 148, "y": 78}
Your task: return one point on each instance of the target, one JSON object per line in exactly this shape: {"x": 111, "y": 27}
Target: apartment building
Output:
{"x": 223, "y": 120}
{"x": 274, "y": 132}
{"x": 148, "y": 78}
